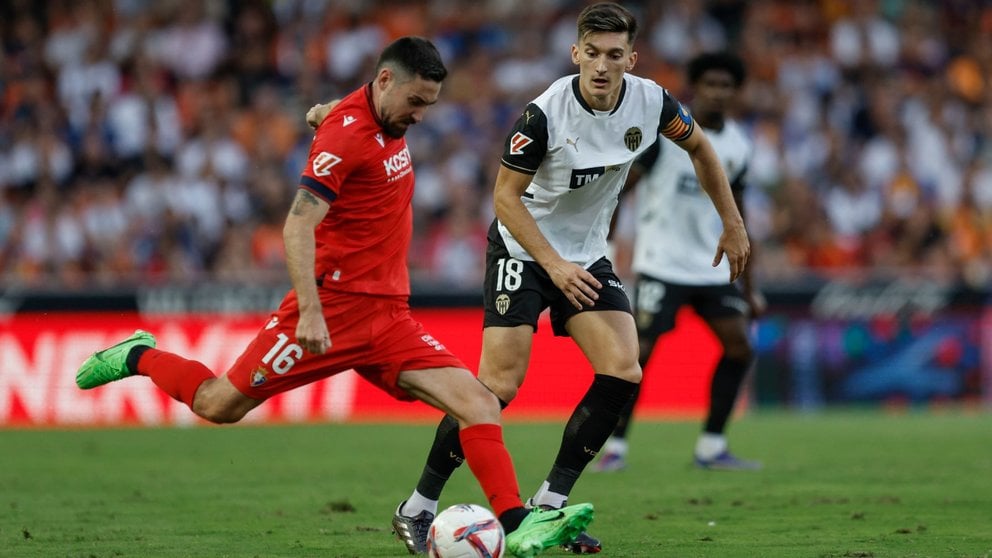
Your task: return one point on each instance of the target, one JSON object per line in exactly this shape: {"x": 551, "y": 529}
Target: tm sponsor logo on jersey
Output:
{"x": 398, "y": 165}
{"x": 323, "y": 162}
{"x": 581, "y": 177}
{"x": 348, "y": 120}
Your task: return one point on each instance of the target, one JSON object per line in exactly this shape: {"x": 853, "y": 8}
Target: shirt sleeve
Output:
{"x": 675, "y": 124}
{"x": 330, "y": 163}
{"x": 527, "y": 143}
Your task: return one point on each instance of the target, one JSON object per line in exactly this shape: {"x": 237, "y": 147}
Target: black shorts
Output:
{"x": 657, "y": 302}
{"x": 517, "y": 291}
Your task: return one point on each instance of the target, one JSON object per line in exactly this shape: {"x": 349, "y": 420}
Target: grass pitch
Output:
{"x": 839, "y": 484}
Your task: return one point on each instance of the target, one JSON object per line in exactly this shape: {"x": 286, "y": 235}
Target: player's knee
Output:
{"x": 218, "y": 412}
{"x": 626, "y": 369}
{"x": 739, "y": 350}
{"x": 501, "y": 385}
{"x": 474, "y": 406}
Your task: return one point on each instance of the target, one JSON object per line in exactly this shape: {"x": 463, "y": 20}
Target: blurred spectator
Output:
{"x": 148, "y": 142}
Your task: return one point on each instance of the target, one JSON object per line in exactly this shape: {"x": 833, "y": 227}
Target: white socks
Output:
{"x": 710, "y": 445}
{"x": 615, "y": 446}
{"x": 545, "y": 497}
{"x": 417, "y": 503}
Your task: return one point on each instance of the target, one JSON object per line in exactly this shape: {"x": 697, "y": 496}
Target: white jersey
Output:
{"x": 579, "y": 159}
{"x": 678, "y": 228}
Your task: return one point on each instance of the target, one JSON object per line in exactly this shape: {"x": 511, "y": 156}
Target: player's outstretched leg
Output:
{"x": 110, "y": 364}
{"x": 543, "y": 529}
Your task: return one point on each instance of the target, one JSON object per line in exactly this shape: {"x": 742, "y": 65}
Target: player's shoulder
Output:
{"x": 559, "y": 91}
{"x": 350, "y": 125}
{"x": 638, "y": 85}
{"x": 350, "y": 115}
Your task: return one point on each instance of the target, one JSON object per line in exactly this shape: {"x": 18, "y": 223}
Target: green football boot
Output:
{"x": 543, "y": 529}
{"x": 110, "y": 364}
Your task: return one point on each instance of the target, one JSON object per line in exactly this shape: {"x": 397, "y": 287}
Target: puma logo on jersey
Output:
{"x": 518, "y": 142}
{"x": 348, "y": 120}
{"x": 323, "y": 162}
{"x": 574, "y": 144}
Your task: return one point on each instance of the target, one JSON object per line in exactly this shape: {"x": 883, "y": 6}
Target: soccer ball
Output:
{"x": 465, "y": 531}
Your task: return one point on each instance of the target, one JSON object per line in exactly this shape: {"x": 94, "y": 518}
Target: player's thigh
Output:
{"x": 725, "y": 311}
{"x": 732, "y": 332}
{"x": 609, "y": 340}
{"x": 453, "y": 390}
{"x": 504, "y": 360}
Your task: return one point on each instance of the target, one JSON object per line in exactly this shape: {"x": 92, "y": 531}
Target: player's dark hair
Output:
{"x": 607, "y": 17}
{"x": 414, "y": 56}
{"x": 726, "y": 61}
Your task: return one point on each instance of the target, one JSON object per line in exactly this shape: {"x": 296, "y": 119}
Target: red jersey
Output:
{"x": 367, "y": 177}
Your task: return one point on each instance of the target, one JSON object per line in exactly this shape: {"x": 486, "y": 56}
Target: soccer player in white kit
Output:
{"x": 563, "y": 166}
{"x": 676, "y": 231}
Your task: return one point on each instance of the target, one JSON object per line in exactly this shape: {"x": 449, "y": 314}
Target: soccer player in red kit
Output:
{"x": 347, "y": 235}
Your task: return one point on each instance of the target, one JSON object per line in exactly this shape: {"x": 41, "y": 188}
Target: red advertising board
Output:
{"x": 39, "y": 354}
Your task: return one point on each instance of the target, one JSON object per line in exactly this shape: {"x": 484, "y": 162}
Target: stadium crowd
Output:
{"x": 152, "y": 142}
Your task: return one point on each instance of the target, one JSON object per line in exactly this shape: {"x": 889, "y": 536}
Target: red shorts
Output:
{"x": 375, "y": 336}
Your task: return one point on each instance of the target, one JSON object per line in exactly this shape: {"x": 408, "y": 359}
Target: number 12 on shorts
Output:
{"x": 284, "y": 355}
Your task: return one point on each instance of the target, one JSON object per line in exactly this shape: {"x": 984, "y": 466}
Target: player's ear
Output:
{"x": 575, "y": 54}
{"x": 631, "y": 60}
{"x": 384, "y": 76}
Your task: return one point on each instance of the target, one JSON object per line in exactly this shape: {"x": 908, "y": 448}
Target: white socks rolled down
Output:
{"x": 417, "y": 503}
{"x": 708, "y": 446}
{"x": 544, "y": 497}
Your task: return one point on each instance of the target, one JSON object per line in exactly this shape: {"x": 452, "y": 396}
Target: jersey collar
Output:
{"x": 368, "y": 97}
{"x": 582, "y": 102}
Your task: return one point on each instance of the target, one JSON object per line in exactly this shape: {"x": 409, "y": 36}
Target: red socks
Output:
{"x": 173, "y": 374}
{"x": 490, "y": 462}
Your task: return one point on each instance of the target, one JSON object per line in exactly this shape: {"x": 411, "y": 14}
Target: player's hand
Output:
{"x": 312, "y": 334}
{"x": 318, "y": 113}
{"x": 735, "y": 245}
{"x": 578, "y": 284}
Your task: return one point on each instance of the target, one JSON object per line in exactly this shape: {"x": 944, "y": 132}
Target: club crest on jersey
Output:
{"x": 323, "y": 162}
{"x": 518, "y": 142}
{"x": 632, "y": 138}
{"x": 258, "y": 377}
{"x": 502, "y": 303}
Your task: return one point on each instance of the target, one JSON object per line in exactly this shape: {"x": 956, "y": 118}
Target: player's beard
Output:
{"x": 395, "y": 131}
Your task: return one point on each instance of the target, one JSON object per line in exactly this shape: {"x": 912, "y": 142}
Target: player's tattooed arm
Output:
{"x": 304, "y": 202}
{"x": 305, "y": 214}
